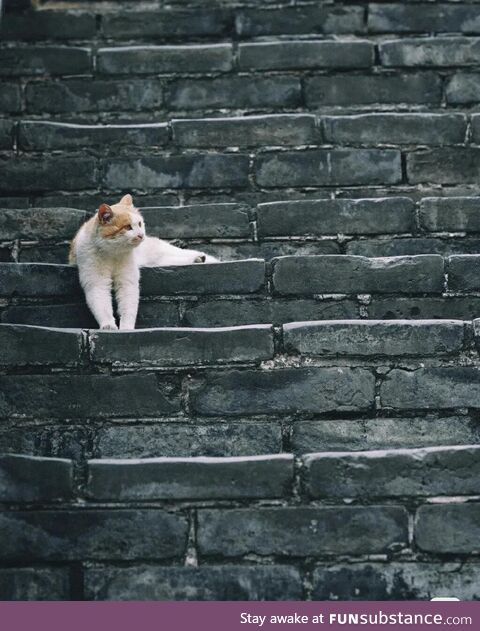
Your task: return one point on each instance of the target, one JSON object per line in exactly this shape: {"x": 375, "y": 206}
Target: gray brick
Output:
{"x": 157, "y": 313}
{"x": 48, "y": 25}
{"x": 79, "y": 396}
{"x": 369, "y": 338}
{"x": 198, "y": 58}
{"x": 305, "y": 54}
{"x": 87, "y": 95}
{"x": 430, "y": 471}
{"x": 29, "y": 345}
{"x": 453, "y": 528}
{"x": 234, "y": 92}
{"x": 167, "y": 24}
{"x": 61, "y": 315}
{"x": 37, "y": 279}
{"x": 327, "y": 167}
{"x": 301, "y": 531}
{"x": 234, "y": 277}
{"x": 334, "y": 216}
{"x": 355, "y": 274}
{"x": 47, "y": 223}
{"x": 92, "y": 534}
{"x": 6, "y": 134}
{"x": 198, "y": 220}
{"x": 433, "y": 51}
{"x": 463, "y": 89}
{"x": 190, "y": 478}
{"x": 42, "y": 253}
{"x": 383, "y": 433}
{"x": 450, "y": 214}
{"x": 345, "y": 90}
{"x": 276, "y": 311}
{"x": 396, "y": 129}
{"x": 35, "y": 583}
{"x": 432, "y": 388}
{"x": 44, "y": 60}
{"x": 28, "y": 479}
{"x": 410, "y": 246}
{"x": 463, "y": 272}
{"x": 10, "y": 98}
{"x": 183, "y": 440}
{"x": 270, "y": 249}
{"x": 423, "y": 18}
{"x": 208, "y": 170}
{"x": 225, "y": 582}
{"x": 45, "y": 173}
{"x": 456, "y": 307}
{"x": 41, "y": 135}
{"x": 278, "y": 129}
{"x": 444, "y": 166}
{"x": 291, "y": 390}
{"x": 182, "y": 346}
{"x": 396, "y": 581}
{"x": 299, "y": 20}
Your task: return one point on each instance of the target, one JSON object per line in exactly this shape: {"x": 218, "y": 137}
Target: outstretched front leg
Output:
{"x": 98, "y": 294}
{"x": 127, "y": 292}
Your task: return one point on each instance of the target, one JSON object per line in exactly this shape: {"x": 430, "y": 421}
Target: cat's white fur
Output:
{"x": 115, "y": 261}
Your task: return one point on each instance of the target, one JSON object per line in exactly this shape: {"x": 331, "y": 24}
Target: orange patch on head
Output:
{"x": 118, "y": 222}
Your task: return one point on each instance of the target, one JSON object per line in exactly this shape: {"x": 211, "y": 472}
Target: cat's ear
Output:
{"x": 126, "y": 200}
{"x": 105, "y": 213}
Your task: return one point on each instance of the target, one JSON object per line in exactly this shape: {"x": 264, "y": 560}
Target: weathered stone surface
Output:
{"x": 301, "y": 531}
{"x": 277, "y": 129}
{"x": 34, "y": 583}
{"x": 450, "y": 214}
{"x": 44, "y": 60}
{"x": 37, "y": 279}
{"x": 276, "y": 311}
{"x": 267, "y": 250}
{"x": 411, "y": 246}
{"x": 463, "y": 89}
{"x": 29, "y": 345}
{"x": 61, "y": 25}
{"x": 46, "y": 135}
{"x": 208, "y": 170}
{"x": 61, "y": 315}
{"x": 423, "y": 18}
{"x": 395, "y": 129}
{"x": 167, "y": 24}
{"x": 463, "y": 272}
{"x": 36, "y": 174}
{"x": 334, "y": 216}
{"x": 432, "y": 51}
{"x": 430, "y": 471}
{"x": 197, "y": 220}
{"x": 226, "y": 582}
{"x": 397, "y": 581}
{"x": 235, "y": 277}
{"x": 454, "y": 165}
{"x": 323, "y": 167}
{"x": 291, "y": 390}
{"x": 383, "y": 433}
{"x": 356, "y": 274}
{"x": 183, "y": 440}
{"x": 198, "y": 58}
{"x": 79, "y": 396}
{"x": 432, "y": 388}
{"x": 374, "y": 337}
{"x": 453, "y": 528}
{"x": 44, "y": 223}
{"x": 456, "y": 307}
{"x": 282, "y": 55}
{"x": 86, "y": 95}
{"x": 180, "y": 346}
{"x": 29, "y": 479}
{"x": 92, "y": 534}
{"x": 252, "y": 22}
{"x": 10, "y": 98}
{"x": 234, "y": 92}
{"x": 345, "y": 90}
{"x": 190, "y": 478}
{"x": 6, "y": 134}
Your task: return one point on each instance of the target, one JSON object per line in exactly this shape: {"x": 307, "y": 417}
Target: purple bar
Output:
{"x": 227, "y": 616}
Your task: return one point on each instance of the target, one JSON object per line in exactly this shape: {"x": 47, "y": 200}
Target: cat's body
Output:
{"x": 109, "y": 250}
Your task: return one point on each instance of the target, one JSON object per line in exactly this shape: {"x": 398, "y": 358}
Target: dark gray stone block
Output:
{"x": 29, "y": 479}
{"x": 423, "y": 18}
{"x": 10, "y": 98}
{"x": 456, "y": 307}
{"x": 40, "y": 223}
{"x": 450, "y": 214}
{"x": 36, "y": 174}
{"x": 463, "y": 89}
{"x": 37, "y": 279}
{"x": 34, "y": 583}
{"x": 463, "y": 272}
{"x": 38, "y": 25}
{"x": 6, "y": 134}
{"x": 432, "y": 51}
{"x": 30, "y": 345}
{"x": 20, "y": 61}
{"x": 448, "y": 528}
{"x": 454, "y": 165}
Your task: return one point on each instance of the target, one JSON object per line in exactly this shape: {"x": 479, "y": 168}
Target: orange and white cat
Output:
{"x": 109, "y": 250}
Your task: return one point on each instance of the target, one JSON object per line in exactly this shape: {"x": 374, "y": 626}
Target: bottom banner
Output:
{"x": 233, "y": 616}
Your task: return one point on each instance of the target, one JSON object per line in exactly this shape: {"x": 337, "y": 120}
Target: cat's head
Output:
{"x": 120, "y": 225}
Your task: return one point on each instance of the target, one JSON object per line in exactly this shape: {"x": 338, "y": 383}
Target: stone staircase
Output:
{"x": 300, "y": 421}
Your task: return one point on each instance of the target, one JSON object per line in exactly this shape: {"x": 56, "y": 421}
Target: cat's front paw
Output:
{"x": 109, "y": 326}
{"x": 205, "y": 258}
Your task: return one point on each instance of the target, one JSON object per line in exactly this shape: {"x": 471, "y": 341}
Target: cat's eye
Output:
{"x": 128, "y": 227}
{"x": 139, "y": 224}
